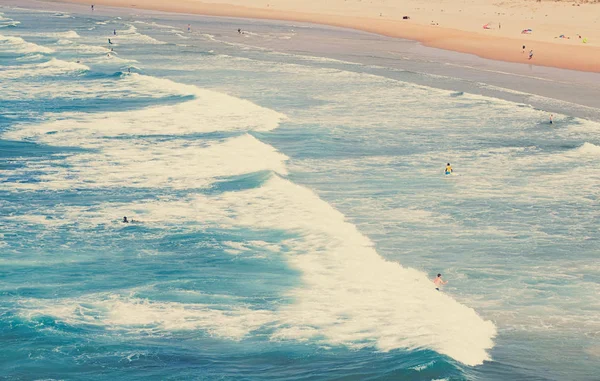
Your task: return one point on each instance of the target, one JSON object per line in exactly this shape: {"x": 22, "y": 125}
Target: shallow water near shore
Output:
{"x": 290, "y": 203}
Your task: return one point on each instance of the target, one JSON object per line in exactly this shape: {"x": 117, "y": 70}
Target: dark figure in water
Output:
{"x": 92, "y": 7}
{"x": 125, "y": 220}
{"x": 551, "y": 118}
{"x": 239, "y": 31}
{"x": 115, "y": 32}
{"x": 109, "y": 41}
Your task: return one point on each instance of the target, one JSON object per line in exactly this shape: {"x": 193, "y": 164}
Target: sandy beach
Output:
{"x": 485, "y": 28}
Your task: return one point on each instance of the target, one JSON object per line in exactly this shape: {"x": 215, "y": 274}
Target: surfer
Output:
{"x": 109, "y": 41}
{"x": 438, "y": 282}
{"x": 448, "y": 169}
{"x": 125, "y": 220}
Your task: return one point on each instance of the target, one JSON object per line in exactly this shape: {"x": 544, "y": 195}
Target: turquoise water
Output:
{"x": 292, "y": 211}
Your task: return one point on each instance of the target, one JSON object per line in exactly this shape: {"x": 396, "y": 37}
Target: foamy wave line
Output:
{"x": 7, "y": 22}
{"x": 589, "y": 149}
{"x": 66, "y": 35}
{"x": 20, "y": 46}
{"x": 348, "y": 294}
{"x": 143, "y": 316}
{"x": 53, "y": 67}
{"x": 149, "y": 162}
{"x": 132, "y": 35}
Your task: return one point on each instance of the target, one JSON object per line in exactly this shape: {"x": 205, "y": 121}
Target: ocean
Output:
{"x": 287, "y": 205}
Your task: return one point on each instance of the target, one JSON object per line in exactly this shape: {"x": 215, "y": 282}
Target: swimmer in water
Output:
{"x": 438, "y": 282}
{"x": 125, "y": 220}
{"x": 448, "y": 169}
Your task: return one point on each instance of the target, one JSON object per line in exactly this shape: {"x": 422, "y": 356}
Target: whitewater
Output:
{"x": 290, "y": 212}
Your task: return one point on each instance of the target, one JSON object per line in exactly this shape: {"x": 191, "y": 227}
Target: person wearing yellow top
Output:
{"x": 448, "y": 169}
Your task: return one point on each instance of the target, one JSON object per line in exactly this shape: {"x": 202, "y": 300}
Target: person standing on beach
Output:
{"x": 531, "y": 54}
{"x": 438, "y": 282}
{"x": 523, "y": 49}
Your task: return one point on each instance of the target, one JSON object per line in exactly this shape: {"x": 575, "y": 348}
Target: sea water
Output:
{"x": 290, "y": 211}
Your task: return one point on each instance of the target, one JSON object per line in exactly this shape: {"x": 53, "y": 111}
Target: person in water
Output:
{"x": 438, "y": 282}
{"x": 448, "y": 169}
{"x": 109, "y": 41}
{"x": 551, "y": 118}
{"x": 125, "y": 220}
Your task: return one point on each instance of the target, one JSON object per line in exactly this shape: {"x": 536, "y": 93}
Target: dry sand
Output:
{"x": 457, "y": 24}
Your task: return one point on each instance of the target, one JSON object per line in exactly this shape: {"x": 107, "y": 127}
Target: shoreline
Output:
{"x": 500, "y": 48}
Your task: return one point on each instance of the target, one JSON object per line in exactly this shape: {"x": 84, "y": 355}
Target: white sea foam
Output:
{"x": 20, "y": 46}
{"x": 209, "y": 111}
{"x": 150, "y": 162}
{"x": 589, "y": 149}
{"x": 53, "y": 67}
{"x": 70, "y": 34}
{"x": 7, "y": 22}
{"x": 67, "y": 45}
{"x": 154, "y": 25}
{"x": 125, "y": 86}
{"x": 348, "y": 296}
{"x": 131, "y": 35}
{"x": 142, "y": 316}
{"x": 175, "y": 164}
